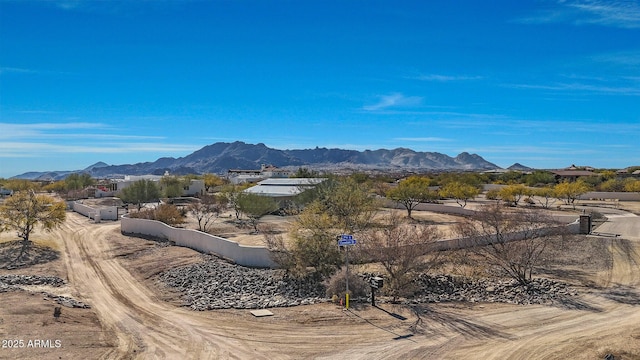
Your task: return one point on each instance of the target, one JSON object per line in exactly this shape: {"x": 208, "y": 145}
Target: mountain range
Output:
{"x": 218, "y": 158}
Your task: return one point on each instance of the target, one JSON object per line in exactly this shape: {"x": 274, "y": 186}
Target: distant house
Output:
{"x": 571, "y": 175}
{"x": 238, "y": 176}
{"x": 194, "y": 188}
{"x": 284, "y": 189}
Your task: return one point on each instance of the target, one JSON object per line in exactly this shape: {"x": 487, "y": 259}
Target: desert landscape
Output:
{"x": 113, "y": 305}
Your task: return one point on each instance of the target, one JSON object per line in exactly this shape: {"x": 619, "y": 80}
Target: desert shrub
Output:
{"x": 168, "y": 214}
{"x": 336, "y": 285}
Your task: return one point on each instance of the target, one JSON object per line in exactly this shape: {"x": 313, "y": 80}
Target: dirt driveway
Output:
{"x": 113, "y": 273}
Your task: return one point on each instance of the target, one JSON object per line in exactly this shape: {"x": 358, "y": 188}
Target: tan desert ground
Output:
{"x": 132, "y": 316}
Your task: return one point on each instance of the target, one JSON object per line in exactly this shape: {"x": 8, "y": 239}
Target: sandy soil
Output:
{"x": 132, "y": 317}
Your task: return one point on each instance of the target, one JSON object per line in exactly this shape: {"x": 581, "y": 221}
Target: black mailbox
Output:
{"x": 376, "y": 282}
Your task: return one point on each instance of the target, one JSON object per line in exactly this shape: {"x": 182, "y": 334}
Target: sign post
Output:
{"x": 345, "y": 241}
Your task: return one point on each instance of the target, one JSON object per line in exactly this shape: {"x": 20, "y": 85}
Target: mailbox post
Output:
{"x": 376, "y": 282}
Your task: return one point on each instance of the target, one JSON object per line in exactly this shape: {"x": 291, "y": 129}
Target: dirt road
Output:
{"x": 606, "y": 320}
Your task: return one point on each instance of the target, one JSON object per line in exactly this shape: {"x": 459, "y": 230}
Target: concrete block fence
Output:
{"x": 252, "y": 256}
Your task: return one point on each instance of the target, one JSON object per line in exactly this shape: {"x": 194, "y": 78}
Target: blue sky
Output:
{"x": 544, "y": 83}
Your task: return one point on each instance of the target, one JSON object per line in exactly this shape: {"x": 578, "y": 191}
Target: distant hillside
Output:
{"x": 519, "y": 167}
{"x": 220, "y": 157}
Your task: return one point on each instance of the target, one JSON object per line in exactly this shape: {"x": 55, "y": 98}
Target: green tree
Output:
{"x": 172, "y": 186}
{"x": 539, "y": 177}
{"x": 341, "y": 206}
{"x": 461, "y": 192}
{"x": 78, "y": 181}
{"x": 140, "y": 192}
{"x": 20, "y": 185}
{"x": 305, "y": 173}
{"x": 412, "y": 191}
{"x": 255, "y": 206}
{"x": 231, "y": 193}
{"x": 26, "y": 210}
{"x": 511, "y": 177}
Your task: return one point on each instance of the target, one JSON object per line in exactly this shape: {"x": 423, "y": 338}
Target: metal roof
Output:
{"x": 283, "y": 187}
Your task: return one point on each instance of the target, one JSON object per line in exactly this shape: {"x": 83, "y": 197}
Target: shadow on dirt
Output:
{"x": 428, "y": 315}
{"x": 392, "y": 332}
{"x": 10, "y": 250}
{"x": 572, "y": 303}
{"x": 623, "y": 294}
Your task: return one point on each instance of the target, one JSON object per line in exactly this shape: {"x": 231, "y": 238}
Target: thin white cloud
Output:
{"x": 626, "y": 58}
{"x": 614, "y": 13}
{"x": 446, "y": 78}
{"x": 34, "y": 130}
{"x": 7, "y": 70}
{"x": 36, "y": 149}
{"x": 394, "y": 101}
{"x": 624, "y": 14}
{"x": 580, "y": 87}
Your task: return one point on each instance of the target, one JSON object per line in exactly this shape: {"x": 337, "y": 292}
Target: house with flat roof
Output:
{"x": 284, "y": 190}
{"x": 239, "y": 176}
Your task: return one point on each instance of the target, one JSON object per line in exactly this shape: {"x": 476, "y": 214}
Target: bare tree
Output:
{"x": 511, "y": 240}
{"x": 403, "y": 249}
{"x": 205, "y": 211}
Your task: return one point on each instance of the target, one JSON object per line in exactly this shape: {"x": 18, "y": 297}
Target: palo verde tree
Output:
{"x": 459, "y": 191}
{"x": 211, "y": 181}
{"x": 140, "y": 192}
{"x": 545, "y": 196}
{"x": 341, "y": 206}
{"x": 512, "y": 239}
{"x": 632, "y": 186}
{"x": 403, "y": 249}
{"x": 412, "y": 191}
{"x": 255, "y": 206}
{"x": 26, "y": 210}
{"x": 512, "y": 194}
{"x": 569, "y": 192}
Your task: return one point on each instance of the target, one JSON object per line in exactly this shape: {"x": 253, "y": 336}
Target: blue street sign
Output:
{"x": 346, "y": 240}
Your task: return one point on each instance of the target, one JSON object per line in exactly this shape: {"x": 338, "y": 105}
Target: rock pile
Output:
{"x": 66, "y": 301}
{"x": 442, "y": 288}
{"x": 12, "y": 279}
{"x": 13, "y": 282}
{"x": 217, "y": 284}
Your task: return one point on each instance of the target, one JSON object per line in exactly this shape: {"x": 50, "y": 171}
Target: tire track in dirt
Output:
{"x": 142, "y": 326}
{"x": 147, "y": 327}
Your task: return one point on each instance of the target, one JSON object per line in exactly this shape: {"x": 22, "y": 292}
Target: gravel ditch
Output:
{"x": 218, "y": 284}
